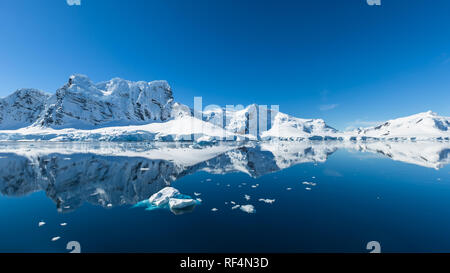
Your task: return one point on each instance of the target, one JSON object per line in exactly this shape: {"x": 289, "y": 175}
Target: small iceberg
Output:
{"x": 267, "y": 201}
{"x": 170, "y": 198}
{"x": 247, "y": 197}
{"x": 41, "y": 223}
{"x": 56, "y": 238}
{"x": 248, "y": 208}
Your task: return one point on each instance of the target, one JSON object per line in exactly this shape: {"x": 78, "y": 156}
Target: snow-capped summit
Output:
{"x": 82, "y": 104}
{"x": 21, "y": 108}
{"x": 419, "y": 126}
{"x": 266, "y": 123}
{"x": 292, "y": 128}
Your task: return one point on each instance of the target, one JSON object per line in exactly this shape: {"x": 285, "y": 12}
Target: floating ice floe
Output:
{"x": 247, "y": 197}
{"x": 267, "y": 201}
{"x": 41, "y": 223}
{"x": 214, "y": 209}
{"x": 208, "y": 180}
{"x": 288, "y": 189}
{"x": 197, "y": 194}
{"x": 145, "y": 169}
{"x": 309, "y": 183}
{"x": 308, "y": 188}
{"x": 232, "y": 202}
{"x": 163, "y": 196}
{"x": 248, "y": 208}
{"x": 63, "y": 224}
{"x": 254, "y": 186}
{"x": 235, "y": 207}
{"x": 56, "y": 238}
{"x": 170, "y": 198}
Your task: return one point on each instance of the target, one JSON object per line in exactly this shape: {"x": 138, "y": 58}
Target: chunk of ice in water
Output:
{"x": 248, "y": 208}
{"x": 163, "y": 196}
{"x": 56, "y": 238}
{"x": 41, "y": 223}
{"x": 267, "y": 201}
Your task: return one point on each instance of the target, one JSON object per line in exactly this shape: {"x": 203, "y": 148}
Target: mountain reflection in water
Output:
{"x": 113, "y": 174}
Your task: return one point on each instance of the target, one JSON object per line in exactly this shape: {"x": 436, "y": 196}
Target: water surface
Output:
{"x": 329, "y": 196}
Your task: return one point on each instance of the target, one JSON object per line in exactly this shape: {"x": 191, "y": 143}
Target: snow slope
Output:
{"x": 427, "y": 125}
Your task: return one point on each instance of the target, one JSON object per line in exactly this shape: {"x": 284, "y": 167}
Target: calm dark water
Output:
{"x": 395, "y": 193}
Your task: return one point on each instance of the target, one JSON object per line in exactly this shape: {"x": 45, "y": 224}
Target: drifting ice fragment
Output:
{"x": 56, "y": 238}
{"x": 63, "y": 224}
{"x": 267, "y": 201}
{"x": 248, "y": 208}
{"x": 288, "y": 189}
{"x": 247, "y": 197}
{"x": 235, "y": 207}
{"x": 197, "y": 193}
{"x": 162, "y": 197}
{"x": 41, "y": 223}
{"x": 170, "y": 198}
{"x": 214, "y": 209}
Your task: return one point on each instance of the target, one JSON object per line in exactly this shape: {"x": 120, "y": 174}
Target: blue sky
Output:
{"x": 341, "y": 60}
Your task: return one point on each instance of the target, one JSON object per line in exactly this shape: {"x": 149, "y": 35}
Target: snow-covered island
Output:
{"x": 121, "y": 110}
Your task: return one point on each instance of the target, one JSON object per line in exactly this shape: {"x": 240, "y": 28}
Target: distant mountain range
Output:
{"x": 121, "y": 110}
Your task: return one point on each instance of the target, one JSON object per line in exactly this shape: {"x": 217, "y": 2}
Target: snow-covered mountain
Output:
{"x": 82, "y": 104}
{"x": 22, "y": 108}
{"x": 121, "y": 110}
{"x": 267, "y": 124}
{"x": 420, "y": 126}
